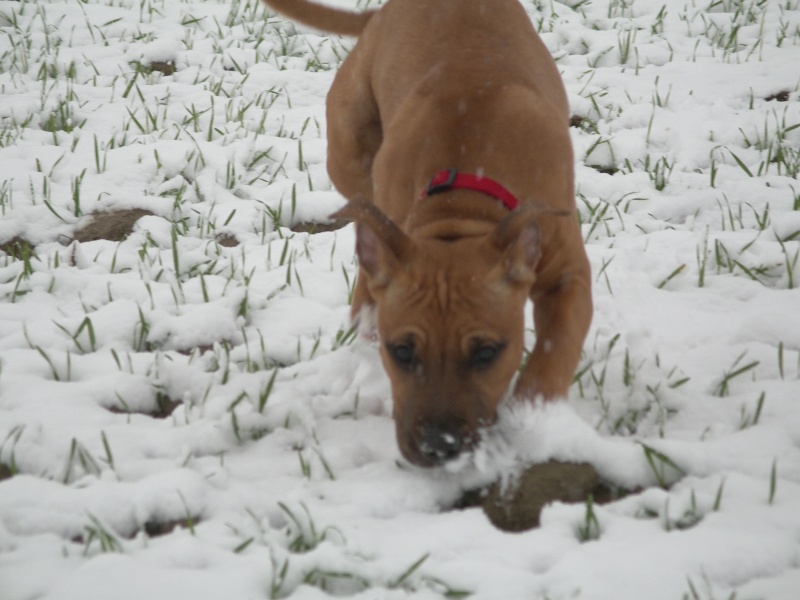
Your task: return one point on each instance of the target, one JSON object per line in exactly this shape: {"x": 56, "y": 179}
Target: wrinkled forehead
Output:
{"x": 453, "y": 292}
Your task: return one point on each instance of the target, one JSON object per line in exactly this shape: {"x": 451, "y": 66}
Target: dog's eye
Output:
{"x": 484, "y": 355}
{"x": 403, "y": 354}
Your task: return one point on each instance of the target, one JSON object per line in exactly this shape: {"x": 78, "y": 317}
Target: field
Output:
{"x": 186, "y": 413}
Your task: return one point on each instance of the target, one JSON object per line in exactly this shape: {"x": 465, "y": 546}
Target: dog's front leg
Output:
{"x": 562, "y": 318}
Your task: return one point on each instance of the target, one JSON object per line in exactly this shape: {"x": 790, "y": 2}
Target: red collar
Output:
{"x": 450, "y": 179}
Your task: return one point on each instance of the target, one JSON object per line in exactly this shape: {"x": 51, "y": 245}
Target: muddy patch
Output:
{"x": 110, "y": 540}
{"x": 605, "y": 170}
{"x": 6, "y": 472}
{"x": 164, "y": 407}
{"x": 114, "y": 226}
{"x": 159, "y": 528}
{"x": 314, "y": 227}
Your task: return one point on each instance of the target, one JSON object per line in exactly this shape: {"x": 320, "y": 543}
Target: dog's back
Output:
{"x": 435, "y": 46}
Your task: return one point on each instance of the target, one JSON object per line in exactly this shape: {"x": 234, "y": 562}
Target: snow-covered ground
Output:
{"x": 183, "y": 419}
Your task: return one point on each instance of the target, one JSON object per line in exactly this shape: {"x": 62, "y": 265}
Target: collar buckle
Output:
{"x": 442, "y": 182}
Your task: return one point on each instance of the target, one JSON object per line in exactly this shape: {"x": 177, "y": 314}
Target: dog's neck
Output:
{"x": 457, "y": 205}
{"x": 454, "y": 215}
{"x": 450, "y": 179}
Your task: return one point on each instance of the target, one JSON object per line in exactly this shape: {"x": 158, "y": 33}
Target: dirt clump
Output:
{"x": 17, "y": 248}
{"x": 576, "y": 121}
{"x": 167, "y": 67}
{"x": 227, "y": 240}
{"x": 782, "y": 96}
{"x": 159, "y": 528}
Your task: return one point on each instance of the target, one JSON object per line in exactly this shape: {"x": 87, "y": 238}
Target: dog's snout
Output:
{"x": 440, "y": 443}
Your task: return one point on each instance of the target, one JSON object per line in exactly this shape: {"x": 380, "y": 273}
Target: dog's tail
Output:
{"x": 324, "y": 18}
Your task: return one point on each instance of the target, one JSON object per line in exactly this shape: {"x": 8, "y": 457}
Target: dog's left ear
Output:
{"x": 518, "y": 239}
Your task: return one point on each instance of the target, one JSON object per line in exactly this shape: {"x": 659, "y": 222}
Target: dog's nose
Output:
{"x": 440, "y": 443}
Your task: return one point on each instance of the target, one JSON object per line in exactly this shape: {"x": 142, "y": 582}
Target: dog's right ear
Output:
{"x": 380, "y": 244}
{"x": 518, "y": 238}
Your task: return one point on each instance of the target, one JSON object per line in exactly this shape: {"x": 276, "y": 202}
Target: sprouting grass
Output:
{"x": 8, "y": 456}
{"x": 737, "y": 369}
{"x": 773, "y": 481}
{"x": 302, "y": 531}
{"x": 79, "y": 458}
{"x": 749, "y": 419}
{"x": 706, "y": 592}
{"x": 671, "y": 276}
{"x": 266, "y": 391}
{"x": 663, "y": 467}
{"x": 659, "y": 172}
{"x": 96, "y": 533}
{"x": 589, "y": 529}
{"x": 90, "y": 337}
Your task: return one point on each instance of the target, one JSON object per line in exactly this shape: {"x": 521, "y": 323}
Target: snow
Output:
{"x": 278, "y": 464}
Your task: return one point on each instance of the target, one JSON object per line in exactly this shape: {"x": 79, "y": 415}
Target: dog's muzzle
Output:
{"x": 440, "y": 443}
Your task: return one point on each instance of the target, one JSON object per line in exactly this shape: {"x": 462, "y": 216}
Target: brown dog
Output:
{"x": 463, "y": 92}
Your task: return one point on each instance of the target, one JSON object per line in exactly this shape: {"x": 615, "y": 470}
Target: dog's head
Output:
{"x": 450, "y": 322}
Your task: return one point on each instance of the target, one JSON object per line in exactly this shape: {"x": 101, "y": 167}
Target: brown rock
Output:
{"x": 516, "y": 507}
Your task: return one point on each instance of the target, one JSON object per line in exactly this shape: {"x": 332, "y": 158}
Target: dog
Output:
{"x": 448, "y": 135}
